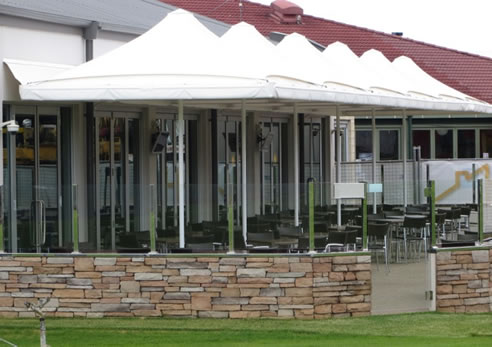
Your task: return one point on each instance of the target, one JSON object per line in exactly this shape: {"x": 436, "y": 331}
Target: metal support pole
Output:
{"x": 480, "y": 210}
{"x": 382, "y": 182}
{"x": 474, "y": 183}
{"x": 419, "y": 174}
{"x": 311, "y": 214}
{"x": 181, "y": 178}
{"x": 244, "y": 173}
{"x": 364, "y": 219}
{"x": 295, "y": 126}
{"x": 75, "y": 220}
{"x": 339, "y": 165}
{"x": 230, "y": 218}
{"x": 152, "y": 220}
{"x": 415, "y": 180}
{"x": 405, "y": 155}
{"x": 374, "y": 206}
{"x": 432, "y": 195}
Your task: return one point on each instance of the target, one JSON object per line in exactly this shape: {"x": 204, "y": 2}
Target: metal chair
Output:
{"x": 336, "y": 241}
{"x": 465, "y": 216}
{"x": 378, "y": 240}
{"x": 414, "y": 231}
{"x": 441, "y": 224}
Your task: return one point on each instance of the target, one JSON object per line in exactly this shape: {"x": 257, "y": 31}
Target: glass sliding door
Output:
{"x": 271, "y": 152}
{"x": 34, "y": 183}
{"x": 27, "y": 213}
{"x": 49, "y": 180}
{"x": 117, "y": 182}
{"x": 167, "y": 172}
{"x": 5, "y": 188}
{"x": 313, "y": 149}
{"x": 229, "y": 166}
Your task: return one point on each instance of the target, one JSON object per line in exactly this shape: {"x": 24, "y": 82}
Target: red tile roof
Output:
{"x": 468, "y": 73}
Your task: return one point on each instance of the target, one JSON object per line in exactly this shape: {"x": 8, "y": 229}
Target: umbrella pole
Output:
{"x": 244, "y": 173}
{"x": 181, "y": 179}
{"x": 295, "y": 126}
{"x": 339, "y": 165}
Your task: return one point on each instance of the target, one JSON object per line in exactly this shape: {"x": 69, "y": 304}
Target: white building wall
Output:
{"x": 107, "y": 41}
{"x": 32, "y": 40}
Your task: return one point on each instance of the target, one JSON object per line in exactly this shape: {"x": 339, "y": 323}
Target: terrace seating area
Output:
{"x": 398, "y": 234}
{"x": 395, "y": 234}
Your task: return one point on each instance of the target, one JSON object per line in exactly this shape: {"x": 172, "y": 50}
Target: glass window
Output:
{"x": 486, "y": 143}
{"x": 466, "y": 143}
{"x": 444, "y": 143}
{"x": 316, "y": 131}
{"x": 307, "y": 144}
{"x": 388, "y": 145}
{"x": 422, "y": 138}
{"x": 343, "y": 142}
{"x": 363, "y": 144}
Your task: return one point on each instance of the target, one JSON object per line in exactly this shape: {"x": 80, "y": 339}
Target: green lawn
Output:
{"x": 432, "y": 329}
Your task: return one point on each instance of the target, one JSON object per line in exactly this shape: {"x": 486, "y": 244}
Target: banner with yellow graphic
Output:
{"x": 454, "y": 179}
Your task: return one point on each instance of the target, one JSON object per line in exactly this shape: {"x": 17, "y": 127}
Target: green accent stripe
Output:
{"x": 311, "y": 216}
{"x": 75, "y": 226}
{"x": 152, "y": 231}
{"x": 230, "y": 221}
{"x": 480, "y": 210}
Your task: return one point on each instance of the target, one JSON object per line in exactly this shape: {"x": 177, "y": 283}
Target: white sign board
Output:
{"x": 375, "y": 188}
{"x": 349, "y": 190}
{"x": 454, "y": 179}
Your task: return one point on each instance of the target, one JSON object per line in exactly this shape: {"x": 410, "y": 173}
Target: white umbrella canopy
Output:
{"x": 343, "y": 68}
{"x": 385, "y": 78}
{"x": 413, "y": 72}
{"x": 298, "y": 60}
{"x": 245, "y": 52}
{"x": 180, "y": 59}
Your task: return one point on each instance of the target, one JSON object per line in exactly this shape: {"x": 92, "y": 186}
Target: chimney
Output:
{"x": 286, "y": 12}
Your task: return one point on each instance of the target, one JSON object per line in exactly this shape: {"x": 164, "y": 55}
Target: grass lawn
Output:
{"x": 432, "y": 329}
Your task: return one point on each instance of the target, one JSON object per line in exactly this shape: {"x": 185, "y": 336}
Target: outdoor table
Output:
{"x": 324, "y": 213}
{"x": 166, "y": 242}
{"x": 278, "y": 221}
{"x": 286, "y": 242}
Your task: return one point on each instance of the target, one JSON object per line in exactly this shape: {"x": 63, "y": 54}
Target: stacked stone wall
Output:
{"x": 463, "y": 281}
{"x": 221, "y": 287}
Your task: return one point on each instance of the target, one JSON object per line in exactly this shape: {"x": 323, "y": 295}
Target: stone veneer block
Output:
{"x": 110, "y": 308}
{"x": 148, "y": 276}
{"x": 195, "y": 272}
{"x": 105, "y": 261}
{"x": 480, "y": 256}
{"x": 251, "y": 272}
{"x": 84, "y": 264}
{"x": 130, "y": 287}
{"x": 60, "y": 260}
